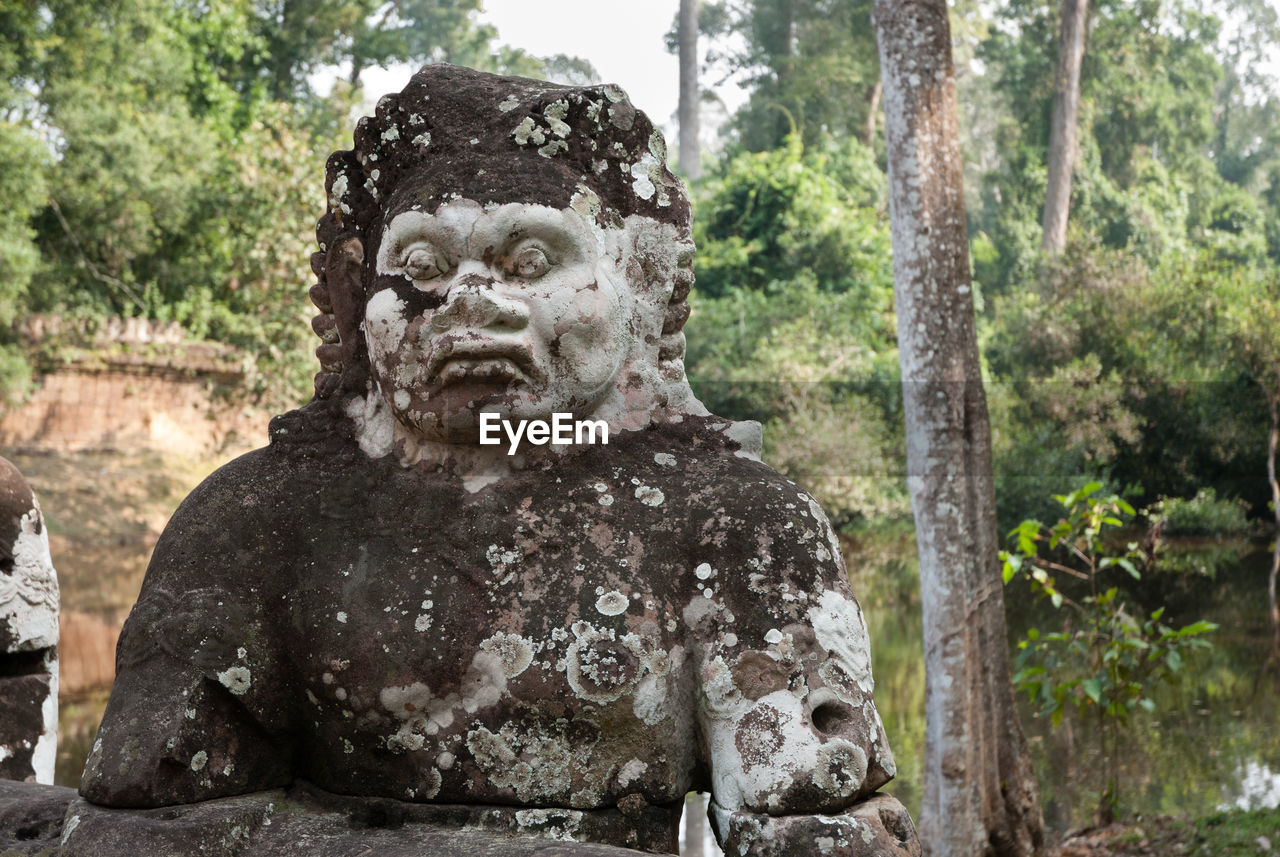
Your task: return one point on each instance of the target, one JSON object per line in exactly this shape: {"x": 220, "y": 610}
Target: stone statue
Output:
{"x": 387, "y": 620}
{"x": 28, "y": 635}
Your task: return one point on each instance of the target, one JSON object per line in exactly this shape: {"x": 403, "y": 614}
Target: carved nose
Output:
{"x": 472, "y": 303}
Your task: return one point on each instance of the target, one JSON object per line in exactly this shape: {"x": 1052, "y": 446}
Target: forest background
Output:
{"x": 163, "y": 159}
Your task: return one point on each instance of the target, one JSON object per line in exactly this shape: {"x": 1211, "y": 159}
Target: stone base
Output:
{"x": 31, "y": 818}
{"x": 51, "y": 821}
{"x": 306, "y": 822}
{"x": 876, "y": 827}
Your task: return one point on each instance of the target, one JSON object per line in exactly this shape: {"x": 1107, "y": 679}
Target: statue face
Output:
{"x": 512, "y": 311}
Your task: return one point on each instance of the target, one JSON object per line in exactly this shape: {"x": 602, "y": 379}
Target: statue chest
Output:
{"x": 514, "y": 660}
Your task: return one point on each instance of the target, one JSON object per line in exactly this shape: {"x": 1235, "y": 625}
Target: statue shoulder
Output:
{"x": 241, "y": 518}
{"x": 253, "y": 486}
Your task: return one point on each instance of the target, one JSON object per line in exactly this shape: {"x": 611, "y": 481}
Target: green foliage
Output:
{"x": 22, "y": 189}
{"x": 1142, "y": 369}
{"x": 165, "y": 158}
{"x": 1105, "y": 659}
{"x": 1206, "y": 557}
{"x": 793, "y": 319}
{"x": 1178, "y": 149}
{"x": 1236, "y": 834}
{"x": 1202, "y": 515}
{"x": 15, "y": 376}
{"x": 762, "y": 218}
{"x": 820, "y": 371}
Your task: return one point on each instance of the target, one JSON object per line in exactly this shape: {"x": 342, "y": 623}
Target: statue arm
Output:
{"x": 795, "y": 746}
{"x": 196, "y": 711}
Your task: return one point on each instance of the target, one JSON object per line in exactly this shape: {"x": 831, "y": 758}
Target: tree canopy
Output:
{"x": 162, "y": 158}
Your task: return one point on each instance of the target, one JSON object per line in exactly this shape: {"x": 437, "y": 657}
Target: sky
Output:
{"x": 623, "y": 39}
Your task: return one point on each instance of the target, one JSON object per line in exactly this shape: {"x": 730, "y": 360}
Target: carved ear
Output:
{"x": 343, "y": 268}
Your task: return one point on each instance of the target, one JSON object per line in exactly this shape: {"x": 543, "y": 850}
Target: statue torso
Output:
{"x": 624, "y": 624}
{"x": 523, "y": 644}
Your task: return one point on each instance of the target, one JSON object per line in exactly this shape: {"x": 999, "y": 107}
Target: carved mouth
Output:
{"x": 485, "y": 370}
{"x": 479, "y": 362}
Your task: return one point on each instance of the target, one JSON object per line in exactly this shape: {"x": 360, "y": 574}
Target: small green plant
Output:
{"x": 1105, "y": 659}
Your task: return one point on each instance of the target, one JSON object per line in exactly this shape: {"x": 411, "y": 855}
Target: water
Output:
{"x": 1218, "y": 723}
{"x": 1212, "y": 743}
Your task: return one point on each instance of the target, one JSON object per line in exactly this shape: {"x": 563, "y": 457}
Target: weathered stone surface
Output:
{"x": 305, "y": 820}
{"x": 557, "y": 639}
{"x": 125, "y": 383}
{"x": 28, "y": 635}
{"x": 31, "y": 818}
{"x": 524, "y": 643}
{"x": 875, "y": 827}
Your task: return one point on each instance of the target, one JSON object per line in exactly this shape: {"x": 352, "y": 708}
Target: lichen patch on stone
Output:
{"x": 236, "y": 679}
{"x": 612, "y": 603}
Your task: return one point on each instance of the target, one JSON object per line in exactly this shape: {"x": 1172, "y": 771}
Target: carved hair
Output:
{"x": 453, "y": 132}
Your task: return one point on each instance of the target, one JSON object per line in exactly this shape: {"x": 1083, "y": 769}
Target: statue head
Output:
{"x": 503, "y": 245}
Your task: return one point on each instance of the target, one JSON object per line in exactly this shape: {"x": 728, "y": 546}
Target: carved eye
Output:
{"x": 529, "y": 264}
{"x": 422, "y": 263}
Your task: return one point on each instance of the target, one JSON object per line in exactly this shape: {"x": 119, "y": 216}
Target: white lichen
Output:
{"x": 631, "y": 771}
{"x": 513, "y": 651}
{"x": 612, "y": 603}
{"x": 236, "y": 679}
{"x": 551, "y": 149}
{"x": 338, "y": 194}
{"x": 554, "y": 114}
{"x": 649, "y": 495}
{"x": 528, "y": 132}
{"x": 840, "y": 629}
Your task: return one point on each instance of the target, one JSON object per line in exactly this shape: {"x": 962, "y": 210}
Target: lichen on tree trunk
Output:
{"x": 980, "y": 795}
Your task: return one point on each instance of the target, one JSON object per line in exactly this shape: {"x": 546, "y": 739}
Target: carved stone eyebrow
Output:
{"x": 503, "y": 230}
{"x": 414, "y": 227}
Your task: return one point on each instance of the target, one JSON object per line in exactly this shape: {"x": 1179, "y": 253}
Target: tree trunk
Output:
{"x": 784, "y": 64}
{"x": 1062, "y": 125}
{"x": 980, "y": 795}
{"x": 873, "y": 110}
{"x": 1273, "y": 439}
{"x": 690, "y": 150}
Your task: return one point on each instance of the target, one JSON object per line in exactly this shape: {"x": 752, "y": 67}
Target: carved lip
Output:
{"x": 488, "y": 370}
{"x": 479, "y": 360}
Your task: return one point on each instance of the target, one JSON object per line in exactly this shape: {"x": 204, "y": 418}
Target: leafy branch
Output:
{"x": 1104, "y": 663}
